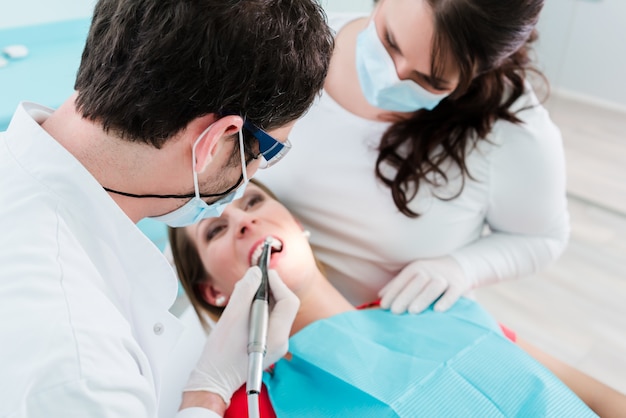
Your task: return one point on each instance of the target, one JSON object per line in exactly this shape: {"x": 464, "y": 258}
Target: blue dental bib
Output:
{"x": 373, "y": 363}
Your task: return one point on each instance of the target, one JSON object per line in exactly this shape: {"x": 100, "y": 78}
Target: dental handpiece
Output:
{"x": 259, "y": 317}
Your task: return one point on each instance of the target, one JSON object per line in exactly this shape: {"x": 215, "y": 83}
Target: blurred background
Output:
{"x": 576, "y": 309}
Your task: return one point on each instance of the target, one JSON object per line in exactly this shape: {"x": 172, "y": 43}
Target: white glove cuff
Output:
{"x": 203, "y": 382}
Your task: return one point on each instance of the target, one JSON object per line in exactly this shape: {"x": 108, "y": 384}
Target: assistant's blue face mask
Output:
{"x": 197, "y": 209}
{"x": 379, "y": 80}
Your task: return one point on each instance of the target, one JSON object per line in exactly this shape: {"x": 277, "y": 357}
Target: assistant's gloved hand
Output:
{"x": 223, "y": 366}
{"x": 421, "y": 282}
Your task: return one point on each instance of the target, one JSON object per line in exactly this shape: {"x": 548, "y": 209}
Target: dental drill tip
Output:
{"x": 273, "y": 242}
{"x": 264, "y": 264}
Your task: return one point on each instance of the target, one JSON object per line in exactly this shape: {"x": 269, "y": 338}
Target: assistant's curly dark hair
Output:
{"x": 150, "y": 67}
{"x": 490, "y": 42}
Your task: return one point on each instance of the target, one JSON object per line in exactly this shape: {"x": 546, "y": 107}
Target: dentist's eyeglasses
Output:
{"x": 271, "y": 150}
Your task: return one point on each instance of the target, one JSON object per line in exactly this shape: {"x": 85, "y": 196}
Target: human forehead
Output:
{"x": 409, "y": 21}
{"x": 410, "y": 25}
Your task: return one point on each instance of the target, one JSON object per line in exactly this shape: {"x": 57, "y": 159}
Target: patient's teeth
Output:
{"x": 256, "y": 254}
{"x": 276, "y": 244}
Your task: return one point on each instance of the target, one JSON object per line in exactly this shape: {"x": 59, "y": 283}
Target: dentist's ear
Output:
{"x": 212, "y": 137}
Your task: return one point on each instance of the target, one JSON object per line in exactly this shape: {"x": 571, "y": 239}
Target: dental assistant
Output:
{"x": 176, "y": 105}
{"x": 442, "y": 172}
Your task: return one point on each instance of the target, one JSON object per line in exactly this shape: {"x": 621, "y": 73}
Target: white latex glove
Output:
{"x": 421, "y": 282}
{"x": 223, "y": 365}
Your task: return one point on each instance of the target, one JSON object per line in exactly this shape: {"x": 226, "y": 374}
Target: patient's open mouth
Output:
{"x": 276, "y": 247}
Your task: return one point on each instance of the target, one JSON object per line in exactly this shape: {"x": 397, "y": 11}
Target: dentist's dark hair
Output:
{"x": 489, "y": 41}
{"x": 150, "y": 67}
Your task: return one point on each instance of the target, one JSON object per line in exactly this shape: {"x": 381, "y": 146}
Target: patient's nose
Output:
{"x": 243, "y": 221}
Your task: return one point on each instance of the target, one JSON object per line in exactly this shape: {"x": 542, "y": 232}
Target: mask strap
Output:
{"x": 193, "y": 162}
{"x": 243, "y": 157}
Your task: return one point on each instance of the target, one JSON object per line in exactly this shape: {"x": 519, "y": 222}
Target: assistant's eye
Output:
{"x": 434, "y": 84}
{"x": 390, "y": 42}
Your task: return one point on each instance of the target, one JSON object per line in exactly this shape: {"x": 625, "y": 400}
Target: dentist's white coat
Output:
{"x": 85, "y": 329}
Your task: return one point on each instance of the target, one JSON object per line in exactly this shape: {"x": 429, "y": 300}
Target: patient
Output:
{"x": 345, "y": 361}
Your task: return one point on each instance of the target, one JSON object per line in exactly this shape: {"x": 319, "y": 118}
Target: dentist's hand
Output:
{"x": 223, "y": 366}
{"x": 421, "y": 282}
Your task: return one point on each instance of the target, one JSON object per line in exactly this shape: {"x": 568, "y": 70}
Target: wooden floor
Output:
{"x": 576, "y": 309}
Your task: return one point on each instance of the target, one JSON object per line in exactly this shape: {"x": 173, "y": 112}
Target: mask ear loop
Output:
{"x": 244, "y": 170}
{"x": 193, "y": 162}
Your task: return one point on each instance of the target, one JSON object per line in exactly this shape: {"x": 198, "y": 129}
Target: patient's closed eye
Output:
{"x": 214, "y": 229}
{"x": 253, "y": 200}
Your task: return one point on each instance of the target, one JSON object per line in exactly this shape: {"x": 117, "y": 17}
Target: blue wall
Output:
{"x": 47, "y": 74}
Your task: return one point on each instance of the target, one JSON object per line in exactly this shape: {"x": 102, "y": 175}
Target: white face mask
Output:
{"x": 197, "y": 209}
{"x": 379, "y": 80}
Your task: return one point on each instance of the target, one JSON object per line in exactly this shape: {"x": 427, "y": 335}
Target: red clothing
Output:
{"x": 239, "y": 403}
{"x": 508, "y": 333}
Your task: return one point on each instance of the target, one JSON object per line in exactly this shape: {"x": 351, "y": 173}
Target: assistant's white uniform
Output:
{"x": 329, "y": 183}
{"x": 85, "y": 327}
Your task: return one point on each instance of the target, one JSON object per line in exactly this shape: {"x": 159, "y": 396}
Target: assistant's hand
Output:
{"x": 223, "y": 366}
{"x": 421, "y": 282}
